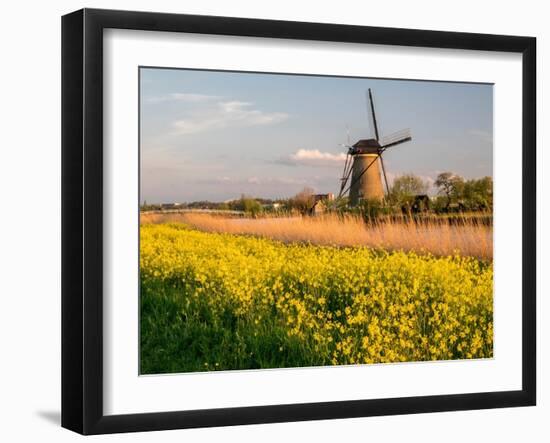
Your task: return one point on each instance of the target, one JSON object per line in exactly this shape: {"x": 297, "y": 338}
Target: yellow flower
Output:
{"x": 398, "y": 306}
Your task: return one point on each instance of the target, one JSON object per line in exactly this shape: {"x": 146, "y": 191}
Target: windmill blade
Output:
{"x": 397, "y": 142}
{"x": 347, "y": 165}
{"x": 343, "y": 185}
{"x": 345, "y": 175}
{"x": 384, "y": 174}
{"x": 369, "y": 116}
{"x": 396, "y": 138}
{"x": 373, "y": 114}
{"x": 345, "y": 172}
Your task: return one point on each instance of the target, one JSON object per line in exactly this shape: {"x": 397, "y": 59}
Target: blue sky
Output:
{"x": 211, "y": 135}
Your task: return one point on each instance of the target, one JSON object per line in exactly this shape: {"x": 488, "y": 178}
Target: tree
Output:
{"x": 303, "y": 201}
{"x": 249, "y": 205}
{"x": 478, "y": 193}
{"x": 406, "y": 186}
{"x": 339, "y": 203}
{"x": 450, "y": 185}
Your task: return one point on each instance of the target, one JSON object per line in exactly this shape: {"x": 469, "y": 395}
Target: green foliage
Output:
{"x": 339, "y": 204}
{"x": 439, "y": 204}
{"x": 405, "y": 187}
{"x": 372, "y": 208}
{"x": 478, "y": 194}
{"x": 459, "y": 194}
{"x": 249, "y": 205}
{"x": 450, "y": 185}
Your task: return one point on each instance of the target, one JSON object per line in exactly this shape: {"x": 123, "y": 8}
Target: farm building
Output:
{"x": 318, "y": 208}
{"x": 328, "y": 197}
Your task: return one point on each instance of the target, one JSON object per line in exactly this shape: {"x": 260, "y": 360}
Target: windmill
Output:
{"x": 364, "y": 162}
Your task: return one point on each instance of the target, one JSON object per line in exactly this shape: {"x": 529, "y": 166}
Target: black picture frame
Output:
{"x": 82, "y": 216}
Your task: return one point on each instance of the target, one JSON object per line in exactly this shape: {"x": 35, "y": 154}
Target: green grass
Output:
{"x": 181, "y": 334}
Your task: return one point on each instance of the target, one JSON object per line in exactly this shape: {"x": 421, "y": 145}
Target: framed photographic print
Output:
{"x": 269, "y": 221}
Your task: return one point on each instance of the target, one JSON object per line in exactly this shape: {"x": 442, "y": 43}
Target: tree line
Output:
{"x": 453, "y": 194}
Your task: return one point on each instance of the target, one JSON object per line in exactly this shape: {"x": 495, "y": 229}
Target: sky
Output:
{"x": 214, "y": 135}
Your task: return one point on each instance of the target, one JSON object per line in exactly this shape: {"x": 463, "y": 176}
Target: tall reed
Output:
{"x": 467, "y": 238}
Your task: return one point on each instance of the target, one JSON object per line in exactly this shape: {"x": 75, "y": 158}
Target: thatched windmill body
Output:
{"x": 365, "y": 165}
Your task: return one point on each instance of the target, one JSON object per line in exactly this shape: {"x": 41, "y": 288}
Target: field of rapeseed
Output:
{"x": 214, "y": 301}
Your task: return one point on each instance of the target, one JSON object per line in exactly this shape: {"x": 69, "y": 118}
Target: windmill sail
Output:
{"x": 345, "y": 175}
{"x": 384, "y": 174}
{"x": 373, "y": 116}
{"x": 396, "y": 138}
{"x": 370, "y": 118}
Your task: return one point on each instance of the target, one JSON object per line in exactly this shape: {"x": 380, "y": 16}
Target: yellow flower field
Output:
{"x": 213, "y": 301}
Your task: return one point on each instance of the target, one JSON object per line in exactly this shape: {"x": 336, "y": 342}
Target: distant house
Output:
{"x": 320, "y": 203}
{"x": 318, "y": 208}
{"x": 419, "y": 204}
{"x": 327, "y": 197}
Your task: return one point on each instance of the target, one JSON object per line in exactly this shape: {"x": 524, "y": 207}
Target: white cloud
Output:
{"x": 314, "y": 157}
{"x": 227, "y": 114}
{"x": 183, "y": 97}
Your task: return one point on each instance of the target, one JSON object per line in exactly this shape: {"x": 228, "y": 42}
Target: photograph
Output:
{"x": 292, "y": 221}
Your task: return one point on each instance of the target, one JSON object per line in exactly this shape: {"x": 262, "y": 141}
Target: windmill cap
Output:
{"x": 367, "y": 146}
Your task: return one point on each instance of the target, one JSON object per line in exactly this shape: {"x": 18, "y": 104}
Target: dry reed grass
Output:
{"x": 468, "y": 238}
